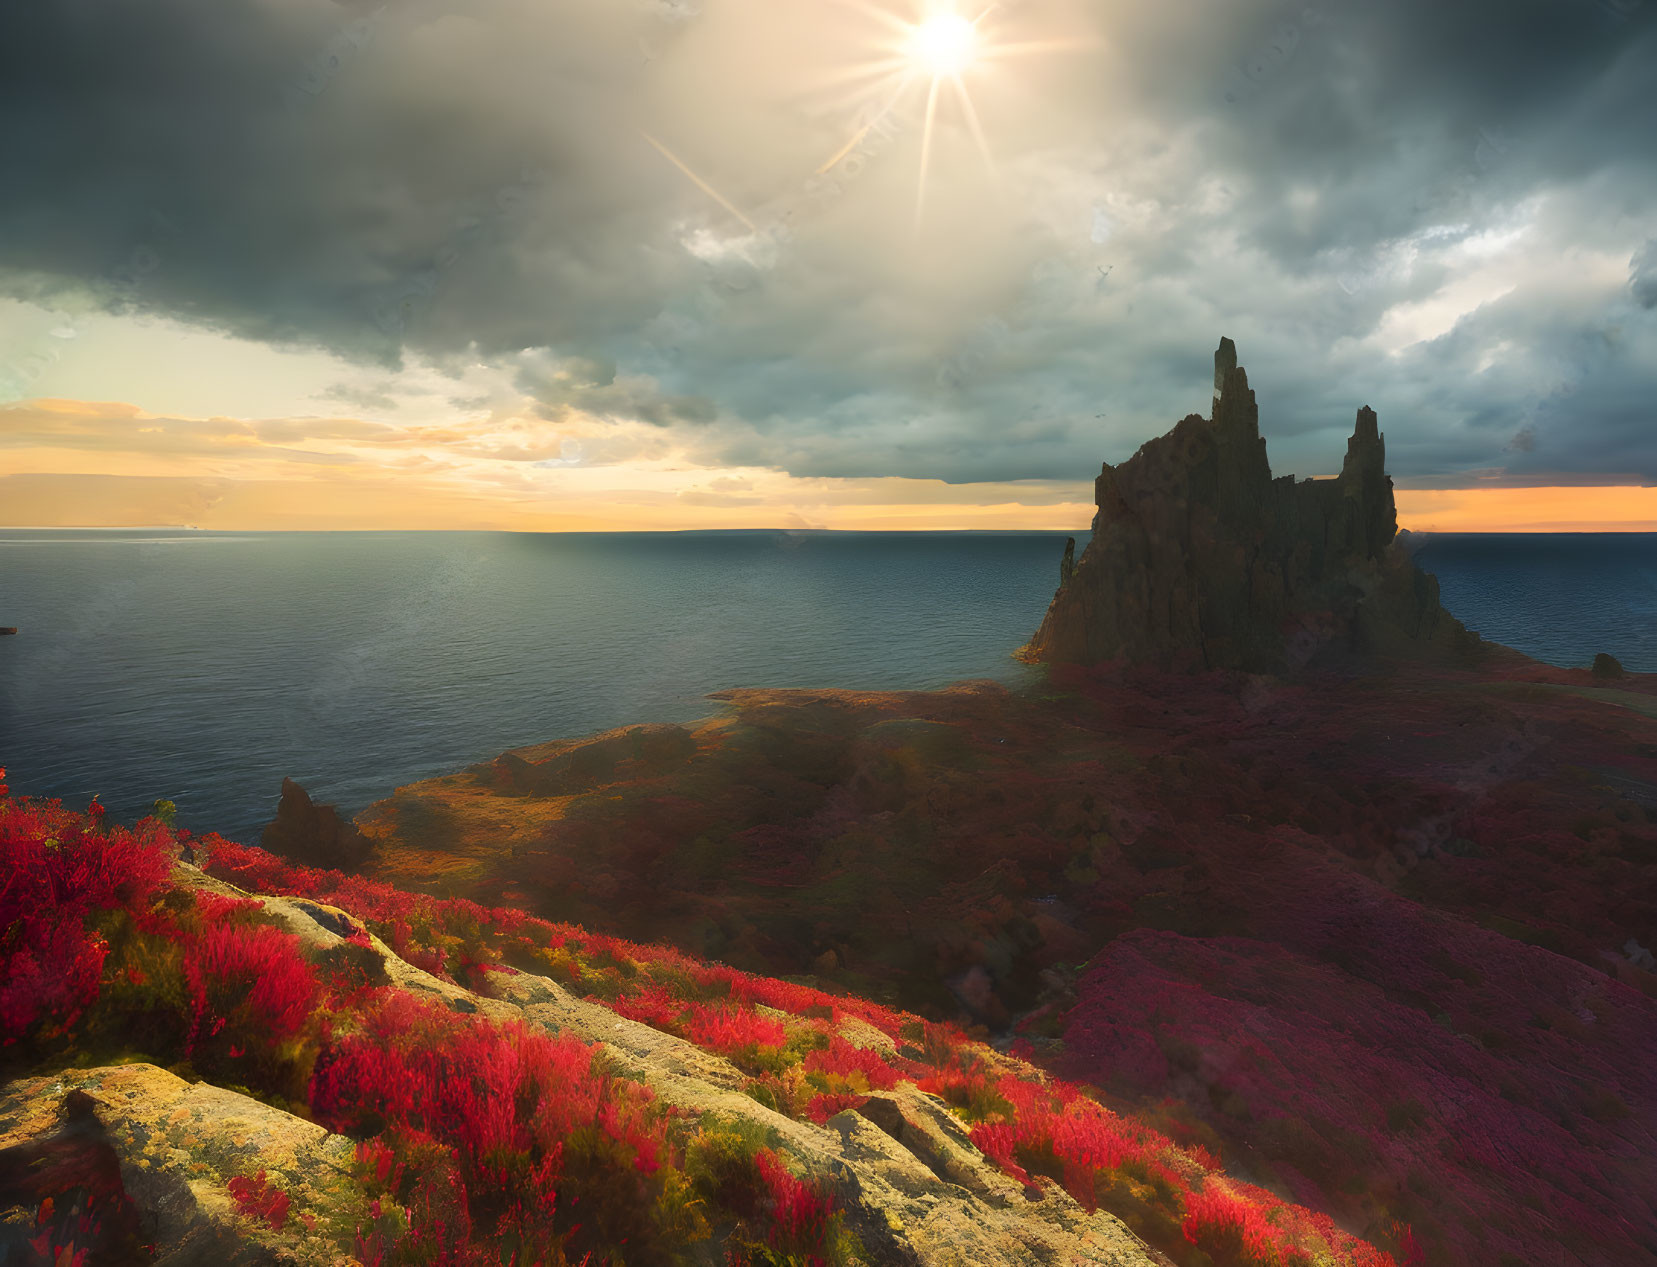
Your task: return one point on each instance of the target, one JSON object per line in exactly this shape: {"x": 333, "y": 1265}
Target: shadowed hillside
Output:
{"x": 1376, "y": 924}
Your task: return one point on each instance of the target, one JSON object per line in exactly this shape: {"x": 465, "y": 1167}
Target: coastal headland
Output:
{"x": 1283, "y": 922}
{"x": 1278, "y": 848}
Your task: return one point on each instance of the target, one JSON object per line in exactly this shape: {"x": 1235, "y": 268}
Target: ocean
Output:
{"x": 1560, "y": 597}
{"x": 203, "y": 667}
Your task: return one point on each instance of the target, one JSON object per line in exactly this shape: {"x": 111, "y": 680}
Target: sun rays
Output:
{"x": 917, "y": 69}
{"x": 937, "y": 48}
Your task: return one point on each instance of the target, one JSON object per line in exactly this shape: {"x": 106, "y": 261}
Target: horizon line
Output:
{"x": 641, "y": 532}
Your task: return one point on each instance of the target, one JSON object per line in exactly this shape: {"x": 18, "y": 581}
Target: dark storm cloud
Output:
{"x": 1309, "y": 178}
{"x": 300, "y": 172}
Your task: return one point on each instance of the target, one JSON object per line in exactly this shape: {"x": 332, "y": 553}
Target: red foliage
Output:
{"x": 844, "y": 1060}
{"x": 822, "y": 1107}
{"x": 260, "y": 1200}
{"x": 501, "y": 1105}
{"x": 255, "y": 976}
{"x": 52, "y": 975}
{"x": 1072, "y": 1142}
{"x": 59, "y": 874}
{"x": 652, "y": 1006}
{"x": 1236, "y": 1233}
{"x": 800, "y": 1215}
{"x": 732, "y": 1030}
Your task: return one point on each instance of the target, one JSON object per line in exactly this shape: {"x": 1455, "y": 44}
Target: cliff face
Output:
{"x": 1200, "y": 559}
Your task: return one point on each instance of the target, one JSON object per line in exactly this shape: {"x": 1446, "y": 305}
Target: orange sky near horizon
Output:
{"x": 68, "y": 464}
{"x": 1597, "y": 508}
{"x": 110, "y": 501}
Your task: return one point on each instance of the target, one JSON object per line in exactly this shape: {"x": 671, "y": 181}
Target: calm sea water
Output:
{"x": 1559, "y": 597}
{"x": 203, "y": 667}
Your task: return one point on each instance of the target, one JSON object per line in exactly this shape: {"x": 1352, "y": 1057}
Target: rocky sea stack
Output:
{"x": 313, "y": 835}
{"x": 1201, "y": 559}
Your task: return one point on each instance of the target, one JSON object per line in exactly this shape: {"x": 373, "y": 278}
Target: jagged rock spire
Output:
{"x": 1366, "y": 451}
{"x": 1200, "y": 557}
{"x": 1225, "y": 360}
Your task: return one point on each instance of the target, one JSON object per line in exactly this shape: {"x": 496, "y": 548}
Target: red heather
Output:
{"x": 822, "y": 1107}
{"x": 503, "y": 1135}
{"x": 800, "y": 1217}
{"x": 1235, "y": 1232}
{"x": 652, "y": 1006}
{"x": 260, "y": 1200}
{"x": 499, "y": 1104}
{"x": 58, "y": 876}
{"x": 256, "y": 972}
{"x": 843, "y": 1060}
{"x": 732, "y": 1029}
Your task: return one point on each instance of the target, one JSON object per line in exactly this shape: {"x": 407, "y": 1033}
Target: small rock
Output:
{"x": 1607, "y": 667}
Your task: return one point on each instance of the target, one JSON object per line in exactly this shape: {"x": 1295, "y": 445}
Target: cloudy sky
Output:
{"x": 681, "y": 263}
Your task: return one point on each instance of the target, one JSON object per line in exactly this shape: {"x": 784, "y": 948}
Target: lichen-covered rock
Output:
{"x": 179, "y": 1146}
{"x": 1200, "y": 559}
{"x": 913, "y": 1188}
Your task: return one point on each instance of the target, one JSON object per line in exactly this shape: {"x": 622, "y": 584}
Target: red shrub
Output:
{"x": 57, "y": 875}
{"x": 652, "y": 1006}
{"x": 999, "y": 1142}
{"x": 53, "y": 864}
{"x": 732, "y": 1030}
{"x": 800, "y": 1216}
{"x": 822, "y": 1107}
{"x": 53, "y": 975}
{"x": 254, "y": 977}
{"x": 973, "y": 1091}
{"x": 260, "y": 1200}
{"x": 1054, "y": 1131}
{"x": 844, "y": 1061}
{"x": 1235, "y": 1232}
{"x": 518, "y": 1115}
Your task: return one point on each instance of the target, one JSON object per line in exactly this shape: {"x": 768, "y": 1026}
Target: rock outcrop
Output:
{"x": 912, "y": 1186}
{"x": 313, "y": 835}
{"x": 1607, "y": 667}
{"x": 172, "y": 1153}
{"x": 1200, "y": 559}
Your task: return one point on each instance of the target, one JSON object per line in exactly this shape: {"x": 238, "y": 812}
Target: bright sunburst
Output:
{"x": 944, "y": 44}
{"x": 938, "y": 47}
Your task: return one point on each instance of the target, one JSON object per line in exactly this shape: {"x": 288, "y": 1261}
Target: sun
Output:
{"x": 944, "y": 44}
{"x": 937, "y": 51}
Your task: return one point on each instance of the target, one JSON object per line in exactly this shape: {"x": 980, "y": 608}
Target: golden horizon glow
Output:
{"x": 94, "y": 464}
{"x": 104, "y": 499}
{"x": 1538, "y": 508}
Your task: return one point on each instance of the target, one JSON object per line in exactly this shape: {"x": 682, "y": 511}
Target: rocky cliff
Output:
{"x": 1201, "y": 559}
